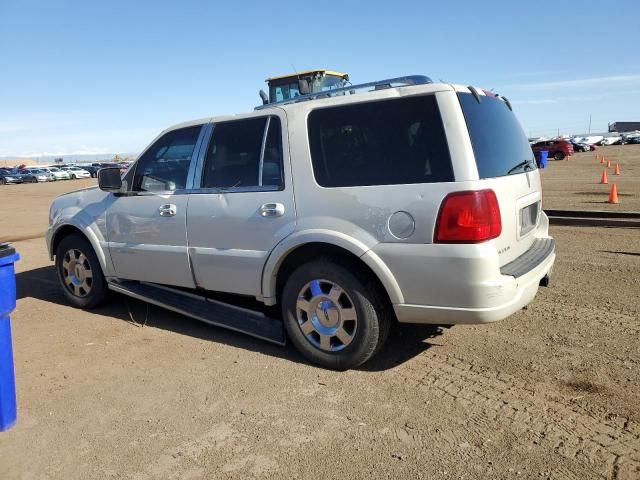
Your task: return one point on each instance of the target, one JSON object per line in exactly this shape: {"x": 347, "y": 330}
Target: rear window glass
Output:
{"x": 388, "y": 142}
{"x": 499, "y": 143}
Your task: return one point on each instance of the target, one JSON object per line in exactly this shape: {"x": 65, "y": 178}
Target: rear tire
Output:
{"x": 558, "y": 156}
{"x": 79, "y": 272}
{"x": 333, "y": 317}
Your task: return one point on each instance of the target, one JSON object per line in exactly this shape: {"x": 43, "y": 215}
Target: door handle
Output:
{"x": 168, "y": 210}
{"x": 272, "y": 210}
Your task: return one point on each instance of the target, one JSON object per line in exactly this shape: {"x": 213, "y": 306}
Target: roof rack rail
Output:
{"x": 378, "y": 85}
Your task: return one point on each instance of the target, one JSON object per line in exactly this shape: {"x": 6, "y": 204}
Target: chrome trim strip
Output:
{"x": 194, "y": 158}
{"x": 262, "y": 147}
{"x": 197, "y": 179}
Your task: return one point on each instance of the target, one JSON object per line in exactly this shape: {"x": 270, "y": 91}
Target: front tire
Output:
{"x": 79, "y": 272}
{"x": 558, "y": 156}
{"x": 333, "y": 317}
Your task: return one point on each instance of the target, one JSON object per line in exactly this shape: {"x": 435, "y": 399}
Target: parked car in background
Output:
{"x": 580, "y": 147}
{"x": 633, "y": 140}
{"x": 104, "y": 164}
{"x": 590, "y": 139}
{"x": 92, "y": 169}
{"x": 57, "y": 173}
{"x": 27, "y": 177}
{"x": 76, "y": 172}
{"x": 558, "y": 149}
{"x": 39, "y": 175}
{"x": 7, "y": 177}
{"x": 42, "y": 171}
{"x": 614, "y": 140}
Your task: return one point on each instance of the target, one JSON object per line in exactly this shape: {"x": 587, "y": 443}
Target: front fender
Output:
{"x": 358, "y": 248}
{"x": 89, "y": 218}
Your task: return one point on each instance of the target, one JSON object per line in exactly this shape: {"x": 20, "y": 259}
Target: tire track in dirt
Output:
{"x": 609, "y": 446}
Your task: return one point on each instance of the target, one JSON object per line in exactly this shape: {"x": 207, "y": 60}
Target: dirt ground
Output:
{"x": 575, "y": 184}
{"x": 24, "y": 208}
{"x": 551, "y": 392}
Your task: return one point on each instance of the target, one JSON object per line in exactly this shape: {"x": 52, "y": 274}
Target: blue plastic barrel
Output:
{"x": 8, "y": 412}
{"x": 543, "y": 155}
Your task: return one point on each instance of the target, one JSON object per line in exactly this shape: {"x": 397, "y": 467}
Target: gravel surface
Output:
{"x": 131, "y": 391}
{"x": 24, "y": 208}
{"x": 575, "y": 184}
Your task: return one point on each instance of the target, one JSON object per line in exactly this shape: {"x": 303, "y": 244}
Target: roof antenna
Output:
{"x": 294, "y": 69}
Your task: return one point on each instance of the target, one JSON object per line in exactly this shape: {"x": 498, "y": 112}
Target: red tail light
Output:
{"x": 468, "y": 217}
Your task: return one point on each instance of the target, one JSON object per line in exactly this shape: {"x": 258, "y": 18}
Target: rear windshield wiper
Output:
{"x": 525, "y": 164}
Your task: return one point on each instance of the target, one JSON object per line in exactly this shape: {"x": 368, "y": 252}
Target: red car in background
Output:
{"x": 558, "y": 149}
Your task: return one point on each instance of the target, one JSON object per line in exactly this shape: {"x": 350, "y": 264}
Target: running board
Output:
{"x": 220, "y": 314}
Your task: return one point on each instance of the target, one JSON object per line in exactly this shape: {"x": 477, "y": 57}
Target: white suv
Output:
{"x": 414, "y": 201}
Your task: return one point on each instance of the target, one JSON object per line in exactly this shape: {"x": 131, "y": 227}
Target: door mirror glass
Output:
{"x": 109, "y": 179}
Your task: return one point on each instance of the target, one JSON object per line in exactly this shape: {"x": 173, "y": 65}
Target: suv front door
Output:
{"x": 243, "y": 203}
{"x": 146, "y": 226}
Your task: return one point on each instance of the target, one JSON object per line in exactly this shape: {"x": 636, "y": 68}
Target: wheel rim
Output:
{"x": 326, "y": 315}
{"x": 76, "y": 272}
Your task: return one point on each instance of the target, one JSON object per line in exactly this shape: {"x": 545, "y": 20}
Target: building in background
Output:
{"x": 624, "y": 126}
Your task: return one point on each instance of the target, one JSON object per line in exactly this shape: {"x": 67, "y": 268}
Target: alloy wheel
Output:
{"x": 326, "y": 315}
{"x": 77, "y": 273}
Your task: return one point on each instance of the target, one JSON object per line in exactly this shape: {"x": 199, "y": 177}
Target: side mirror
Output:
{"x": 303, "y": 86}
{"x": 109, "y": 179}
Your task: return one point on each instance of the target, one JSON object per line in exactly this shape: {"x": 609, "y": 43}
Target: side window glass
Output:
{"x": 379, "y": 143}
{"x": 272, "y": 171}
{"x": 234, "y": 153}
{"x": 165, "y": 165}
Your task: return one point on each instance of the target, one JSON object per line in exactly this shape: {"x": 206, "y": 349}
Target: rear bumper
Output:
{"x": 488, "y": 298}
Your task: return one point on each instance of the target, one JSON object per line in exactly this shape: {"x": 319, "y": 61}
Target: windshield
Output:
{"x": 499, "y": 143}
{"x": 328, "y": 82}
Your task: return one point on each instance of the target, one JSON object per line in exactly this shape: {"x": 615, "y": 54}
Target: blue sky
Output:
{"x": 79, "y": 76}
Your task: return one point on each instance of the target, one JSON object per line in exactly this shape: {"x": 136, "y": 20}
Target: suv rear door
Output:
{"x": 506, "y": 164}
{"x": 242, "y": 205}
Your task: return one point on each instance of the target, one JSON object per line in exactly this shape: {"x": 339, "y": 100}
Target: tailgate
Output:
{"x": 505, "y": 164}
{"x": 520, "y": 200}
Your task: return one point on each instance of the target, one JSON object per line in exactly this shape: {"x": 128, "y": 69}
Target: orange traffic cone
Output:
{"x": 613, "y": 194}
{"x": 603, "y": 179}
{"x": 601, "y": 158}
{"x": 608, "y": 163}
{"x": 597, "y": 156}
{"x": 616, "y": 171}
